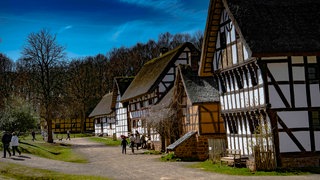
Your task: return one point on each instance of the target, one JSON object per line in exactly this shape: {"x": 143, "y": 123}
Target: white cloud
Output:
{"x": 65, "y": 28}
{"x": 173, "y": 7}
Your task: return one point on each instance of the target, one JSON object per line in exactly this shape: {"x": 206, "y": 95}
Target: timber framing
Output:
{"x": 268, "y": 74}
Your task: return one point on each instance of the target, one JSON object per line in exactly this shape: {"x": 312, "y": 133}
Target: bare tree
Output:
{"x": 6, "y": 75}
{"x": 43, "y": 55}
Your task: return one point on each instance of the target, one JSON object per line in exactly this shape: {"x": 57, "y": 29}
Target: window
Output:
{"x": 150, "y": 101}
{"x": 134, "y": 123}
{"x": 133, "y": 107}
{"x": 223, "y": 43}
{"x": 316, "y": 119}
{"x": 313, "y": 73}
{"x": 223, "y": 84}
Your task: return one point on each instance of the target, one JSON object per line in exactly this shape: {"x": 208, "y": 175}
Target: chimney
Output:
{"x": 163, "y": 50}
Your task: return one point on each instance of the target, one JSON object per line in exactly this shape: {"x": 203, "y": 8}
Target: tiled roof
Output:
{"x": 181, "y": 140}
{"x": 277, "y": 26}
{"x": 198, "y": 89}
{"x": 147, "y": 77}
{"x": 103, "y": 107}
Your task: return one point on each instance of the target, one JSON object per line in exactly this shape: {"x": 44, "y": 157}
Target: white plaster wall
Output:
{"x": 168, "y": 77}
{"x": 233, "y": 98}
{"x": 161, "y": 87}
{"x": 315, "y": 95}
{"x": 279, "y": 71}
{"x": 275, "y": 99}
{"x": 242, "y": 101}
{"x": 294, "y": 119}
{"x": 287, "y": 145}
{"x": 251, "y": 98}
{"x": 238, "y": 100}
{"x": 261, "y": 96}
{"x": 222, "y": 104}
{"x": 300, "y": 95}
{"x": 317, "y": 140}
{"x": 298, "y": 73}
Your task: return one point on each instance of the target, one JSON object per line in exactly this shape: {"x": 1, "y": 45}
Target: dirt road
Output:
{"x": 109, "y": 162}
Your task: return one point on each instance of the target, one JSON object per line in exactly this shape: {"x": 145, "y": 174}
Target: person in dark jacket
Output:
{"x": 124, "y": 144}
{"x": 6, "y": 139}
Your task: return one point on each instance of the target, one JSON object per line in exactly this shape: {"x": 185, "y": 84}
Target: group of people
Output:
{"x": 135, "y": 141}
{"x": 10, "y": 139}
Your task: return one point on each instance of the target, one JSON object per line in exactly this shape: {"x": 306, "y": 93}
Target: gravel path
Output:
{"x": 109, "y": 162}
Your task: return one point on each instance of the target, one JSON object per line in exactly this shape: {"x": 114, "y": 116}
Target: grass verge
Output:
{"x": 15, "y": 171}
{"x": 105, "y": 140}
{"x": 224, "y": 169}
{"x": 56, "y": 151}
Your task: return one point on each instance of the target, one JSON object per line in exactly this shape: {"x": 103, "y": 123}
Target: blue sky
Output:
{"x": 89, "y": 27}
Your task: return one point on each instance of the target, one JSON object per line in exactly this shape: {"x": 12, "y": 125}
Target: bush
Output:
{"x": 170, "y": 157}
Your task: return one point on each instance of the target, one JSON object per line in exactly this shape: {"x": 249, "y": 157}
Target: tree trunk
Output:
{"x": 50, "y": 137}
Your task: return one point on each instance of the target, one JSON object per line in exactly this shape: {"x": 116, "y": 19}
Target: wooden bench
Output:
{"x": 232, "y": 156}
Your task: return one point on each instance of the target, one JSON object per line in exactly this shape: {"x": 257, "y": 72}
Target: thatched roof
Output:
{"x": 161, "y": 110}
{"x": 103, "y": 108}
{"x": 121, "y": 84}
{"x": 198, "y": 89}
{"x": 277, "y": 27}
{"x": 147, "y": 78}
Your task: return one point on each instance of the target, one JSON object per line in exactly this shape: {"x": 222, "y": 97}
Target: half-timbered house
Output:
{"x": 265, "y": 55}
{"x": 61, "y": 126}
{"x": 120, "y": 84}
{"x": 152, "y": 83}
{"x": 104, "y": 117}
{"x": 196, "y": 101}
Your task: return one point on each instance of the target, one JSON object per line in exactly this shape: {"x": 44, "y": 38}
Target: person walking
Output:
{"x": 33, "y": 135}
{"x": 6, "y": 139}
{"x": 15, "y": 144}
{"x": 137, "y": 141}
{"x": 132, "y": 139}
{"x": 68, "y": 135}
{"x": 124, "y": 144}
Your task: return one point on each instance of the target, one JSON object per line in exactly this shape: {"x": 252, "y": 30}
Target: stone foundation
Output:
{"x": 292, "y": 162}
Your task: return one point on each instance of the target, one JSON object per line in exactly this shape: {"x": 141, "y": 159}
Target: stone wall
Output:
{"x": 290, "y": 162}
{"x": 187, "y": 149}
{"x": 195, "y": 148}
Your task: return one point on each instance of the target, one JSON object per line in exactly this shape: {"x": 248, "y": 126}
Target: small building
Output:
{"x": 61, "y": 126}
{"x": 266, "y": 57}
{"x": 152, "y": 83}
{"x": 196, "y": 101}
{"x": 120, "y": 84}
{"x": 104, "y": 117}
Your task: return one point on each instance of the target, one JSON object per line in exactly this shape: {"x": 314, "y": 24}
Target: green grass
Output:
{"x": 106, "y": 140}
{"x": 15, "y": 171}
{"x": 56, "y": 151}
{"x": 224, "y": 169}
{"x": 152, "y": 152}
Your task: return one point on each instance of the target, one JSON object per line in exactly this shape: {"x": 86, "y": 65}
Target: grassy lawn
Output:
{"x": 224, "y": 169}
{"x": 15, "y": 171}
{"x": 56, "y": 151}
{"x": 105, "y": 140}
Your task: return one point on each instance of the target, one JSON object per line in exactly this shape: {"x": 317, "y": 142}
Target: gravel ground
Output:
{"x": 109, "y": 162}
